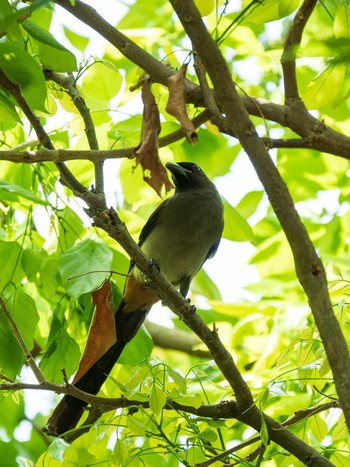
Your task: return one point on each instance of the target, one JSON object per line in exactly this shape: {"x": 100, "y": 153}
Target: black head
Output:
{"x": 187, "y": 176}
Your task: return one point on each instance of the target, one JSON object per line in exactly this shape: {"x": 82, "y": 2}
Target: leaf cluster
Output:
{"x": 53, "y": 258}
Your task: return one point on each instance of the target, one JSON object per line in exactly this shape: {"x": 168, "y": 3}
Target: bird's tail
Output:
{"x": 69, "y": 411}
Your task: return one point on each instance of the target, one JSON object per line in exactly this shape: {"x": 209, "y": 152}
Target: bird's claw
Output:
{"x": 154, "y": 264}
{"x": 193, "y": 307}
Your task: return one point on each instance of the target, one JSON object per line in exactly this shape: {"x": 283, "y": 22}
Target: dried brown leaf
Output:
{"x": 176, "y": 105}
{"x": 147, "y": 151}
{"x": 102, "y": 333}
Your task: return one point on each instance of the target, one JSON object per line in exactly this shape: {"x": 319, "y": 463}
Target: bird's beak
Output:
{"x": 176, "y": 169}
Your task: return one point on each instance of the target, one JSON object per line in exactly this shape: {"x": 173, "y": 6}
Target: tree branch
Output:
{"x": 61, "y": 155}
{"x": 68, "y": 82}
{"x": 222, "y": 410}
{"x": 291, "y": 47}
{"x": 14, "y": 89}
{"x": 309, "y": 268}
{"x": 294, "y": 116}
{"x": 176, "y": 339}
{"x": 247, "y": 412}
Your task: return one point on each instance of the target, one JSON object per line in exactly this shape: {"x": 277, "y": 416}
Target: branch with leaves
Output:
{"x": 226, "y": 409}
{"x": 230, "y": 113}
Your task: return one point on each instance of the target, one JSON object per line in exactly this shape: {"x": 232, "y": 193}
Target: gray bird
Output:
{"x": 180, "y": 235}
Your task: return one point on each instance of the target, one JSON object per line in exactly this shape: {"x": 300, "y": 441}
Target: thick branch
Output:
{"x": 309, "y": 268}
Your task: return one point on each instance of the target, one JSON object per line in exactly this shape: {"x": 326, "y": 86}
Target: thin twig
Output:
{"x": 292, "y": 143}
{"x": 209, "y": 98}
{"x": 28, "y": 356}
{"x": 61, "y": 155}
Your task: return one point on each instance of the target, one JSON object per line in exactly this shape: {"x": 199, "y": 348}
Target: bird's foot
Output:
{"x": 154, "y": 264}
{"x": 193, "y": 307}
{"x": 153, "y": 267}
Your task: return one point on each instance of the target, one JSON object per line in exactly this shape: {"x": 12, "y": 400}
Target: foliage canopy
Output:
{"x": 70, "y": 104}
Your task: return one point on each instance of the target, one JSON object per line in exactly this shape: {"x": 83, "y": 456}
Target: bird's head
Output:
{"x": 187, "y": 176}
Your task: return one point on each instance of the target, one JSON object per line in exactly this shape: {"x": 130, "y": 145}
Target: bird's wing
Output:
{"x": 152, "y": 221}
{"x": 212, "y": 251}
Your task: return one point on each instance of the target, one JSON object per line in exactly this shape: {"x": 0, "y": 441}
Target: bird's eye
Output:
{"x": 196, "y": 168}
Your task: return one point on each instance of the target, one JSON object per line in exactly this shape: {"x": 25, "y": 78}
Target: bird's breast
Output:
{"x": 182, "y": 238}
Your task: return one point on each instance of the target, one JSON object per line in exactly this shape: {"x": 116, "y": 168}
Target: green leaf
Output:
{"x": 21, "y": 68}
{"x": 11, "y": 270}
{"x": 8, "y": 22}
{"x": 11, "y": 355}
{"x": 342, "y": 22}
{"x": 194, "y": 456}
{"x": 41, "y": 35}
{"x": 121, "y": 453}
{"x": 8, "y": 111}
{"x": 138, "y": 350}
{"x": 191, "y": 400}
{"x": 78, "y": 41}
{"x": 249, "y": 203}
{"x": 57, "y": 59}
{"x": 264, "y": 433}
{"x": 48, "y": 276}
{"x": 178, "y": 379}
{"x": 137, "y": 425}
{"x": 102, "y": 81}
{"x": 9, "y": 191}
{"x": 79, "y": 266}
{"x": 33, "y": 261}
{"x": 157, "y": 400}
{"x": 63, "y": 352}
{"x": 325, "y": 87}
{"x": 205, "y": 7}
{"x": 203, "y": 285}
{"x": 209, "y": 435}
{"x": 52, "y": 54}
{"x": 70, "y": 228}
{"x": 212, "y": 153}
{"x": 271, "y": 10}
{"x": 23, "y": 311}
{"x": 286, "y": 7}
{"x": 236, "y": 227}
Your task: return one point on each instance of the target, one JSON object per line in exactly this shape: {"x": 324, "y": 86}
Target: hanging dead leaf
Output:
{"x": 146, "y": 152}
{"x": 176, "y": 105}
{"x": 102, "y": 333}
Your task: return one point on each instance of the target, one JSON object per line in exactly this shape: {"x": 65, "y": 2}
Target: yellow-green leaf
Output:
{"x": 157, "y": 400}
{"x": 205, "y": 7}
{"x": 325, "y": 87}
{"x": 341, "y": 23}
{"x": 101, "y": 81}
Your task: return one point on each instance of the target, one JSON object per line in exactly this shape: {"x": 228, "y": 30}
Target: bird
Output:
{"x": 180, "y": 235}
